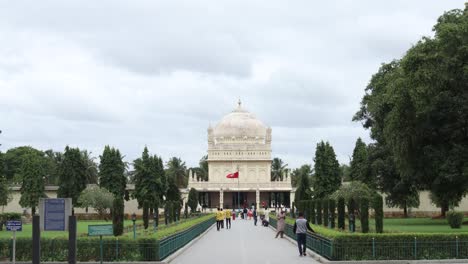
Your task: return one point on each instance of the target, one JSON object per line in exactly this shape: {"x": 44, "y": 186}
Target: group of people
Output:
{"x": 222, "y": 216}
{"x": 301, "y": 225}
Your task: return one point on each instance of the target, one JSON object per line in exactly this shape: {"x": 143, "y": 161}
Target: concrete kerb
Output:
{"x": 189, "y": 244}
{"x": 324, "y": 260}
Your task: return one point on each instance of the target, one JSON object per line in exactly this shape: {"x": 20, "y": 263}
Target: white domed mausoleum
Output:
{"x": 241, "y": 143}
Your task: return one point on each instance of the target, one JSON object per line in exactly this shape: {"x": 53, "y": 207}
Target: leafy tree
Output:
{"x": 98, "y": 198}
{"x": 112, "y": 172}
{"x": 112, "y": 177}
{"x": 150, "y": 183}
{"x": 345, "y": 172}
{"x": 303, "y": 191}
{"x": 32, "y": 174}
{"x": 400, "y": 191}
{"x": 202, "y": 170}
{"x": 278, "y": 169}
{"x": 327, "y": 178}
{"x": 418, "y": 107}
{"x": 193, "y": 200}
{"x": 355, "y": 190}
{"x": 13, "y": 161}
{"x": 5, "y": 194}
{"x": 360, "y": 169}
{"x": 72, "y": 175}
{"x": 53, "y": 160}
{"x": 177, "y": 171}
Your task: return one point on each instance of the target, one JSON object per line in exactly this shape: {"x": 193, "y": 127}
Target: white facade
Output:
{"x": 240, "y": 143}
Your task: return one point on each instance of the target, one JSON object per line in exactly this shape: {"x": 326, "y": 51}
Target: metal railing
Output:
{"x": 402, "y": 248}
{"x": 319, "y": 244}
{"x": 111, "y": 249}
{"x": 172, "y": 243}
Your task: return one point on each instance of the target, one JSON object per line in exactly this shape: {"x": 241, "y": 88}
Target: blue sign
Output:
{"x": 54, "y": 214}
{"x": 14, "y": 225}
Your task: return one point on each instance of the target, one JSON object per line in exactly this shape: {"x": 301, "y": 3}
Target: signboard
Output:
{"x": 14, "y": 225}
{"x": 54, "y": 213}
{"x": 100, "y": 230}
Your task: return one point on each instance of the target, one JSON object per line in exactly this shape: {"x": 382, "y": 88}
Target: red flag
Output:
{"x": 233, "y": 175}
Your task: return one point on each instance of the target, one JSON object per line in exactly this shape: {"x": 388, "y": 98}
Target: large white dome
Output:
{"x": 240, "y": 123}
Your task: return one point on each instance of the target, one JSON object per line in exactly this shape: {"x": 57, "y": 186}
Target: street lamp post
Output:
{"x": 134, "y": 225}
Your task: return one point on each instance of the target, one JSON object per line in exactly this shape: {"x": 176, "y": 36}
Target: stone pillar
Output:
{"x": 257, "y": 198}
{"x": 221, "y": 198}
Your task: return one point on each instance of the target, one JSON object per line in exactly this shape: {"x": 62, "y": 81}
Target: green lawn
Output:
{"x": 82, "y": 229}
{"x": 418, "y": 225}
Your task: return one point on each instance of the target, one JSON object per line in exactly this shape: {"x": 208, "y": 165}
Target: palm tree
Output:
{"x": 278, "y": 169}
{"x": 177, "y": 171}
{"x": 91, "y": 167}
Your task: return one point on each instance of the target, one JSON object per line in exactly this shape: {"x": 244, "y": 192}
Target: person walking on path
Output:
{"x": 255, "y": 216}
{"x": 219, "y": 218}
{"x": 280, "y": 224}
{"x": 245, "y": 213}
{"x": 223, "y": 217}
{"x": 228, "y": 219}
{"x": 300, "y": 229}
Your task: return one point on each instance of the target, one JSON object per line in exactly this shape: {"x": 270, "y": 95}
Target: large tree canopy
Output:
{"x": 278, "y": 169}
{"x": 417, "y": 107}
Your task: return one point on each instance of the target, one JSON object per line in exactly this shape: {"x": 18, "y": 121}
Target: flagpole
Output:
{"x": 238, "y": 188}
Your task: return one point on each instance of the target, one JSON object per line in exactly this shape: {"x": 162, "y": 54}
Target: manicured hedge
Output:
{"x": 391, "y": 246}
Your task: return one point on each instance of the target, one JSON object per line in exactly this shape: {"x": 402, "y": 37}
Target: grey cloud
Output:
{"x": 157, "y": 73}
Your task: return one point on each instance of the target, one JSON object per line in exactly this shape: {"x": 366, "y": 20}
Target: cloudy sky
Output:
{"x": 157, "y": 73}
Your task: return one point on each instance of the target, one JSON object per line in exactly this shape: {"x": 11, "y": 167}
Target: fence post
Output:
{"x": 415, "y": 248}
{"x": 456, "y": 243}
{"x": 373, "y": 248}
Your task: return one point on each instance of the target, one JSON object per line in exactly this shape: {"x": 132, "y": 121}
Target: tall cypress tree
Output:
{"x": 149, "y": 183}
{"x": 112, "y": 177}
{"x": 327, "y": 177}
{"x": 72, "y": 175}
{"x": 33, "y": 175}
{"x": 359, "y": 168}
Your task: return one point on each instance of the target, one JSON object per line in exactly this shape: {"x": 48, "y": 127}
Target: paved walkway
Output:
{"x": 243, "y": 243}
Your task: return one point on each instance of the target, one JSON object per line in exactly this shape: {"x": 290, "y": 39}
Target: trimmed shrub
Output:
{"x": 341, "y": 213}
{"x": 379, "y": 215}
{"x": 117, "y": 216}
{"x": 325, "y": 212}
{"x": 319, "y": 211}
{"x": 364, "y": 215}
{"x": 331, "y": 207}
{"x": 351, "y": 215}
{"x": 313, "y": 216}
{"x": 455, "y": 219}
